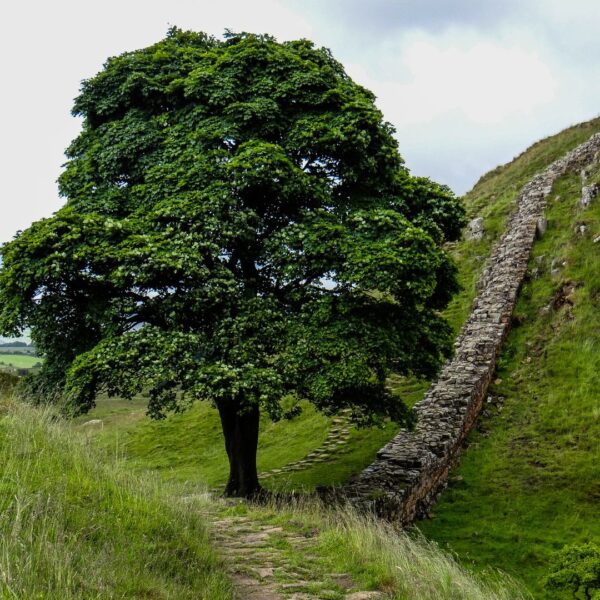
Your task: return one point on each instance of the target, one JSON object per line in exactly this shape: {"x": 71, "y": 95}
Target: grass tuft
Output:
{"x": 74, "y": 525}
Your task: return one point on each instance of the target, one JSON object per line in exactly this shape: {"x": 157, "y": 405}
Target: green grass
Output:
{"x": 188, "y": 447}
{"x": 373, "y": 554}
{"x": 74, "y": 525}
{"x": 493, "y": 198}
{"x": 19, "y": 361}
{"x": 530, "y": 481}
{"x": 350, "y": 459}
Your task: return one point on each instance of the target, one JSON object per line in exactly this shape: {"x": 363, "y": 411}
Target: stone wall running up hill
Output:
{"x": 412, "y": 469}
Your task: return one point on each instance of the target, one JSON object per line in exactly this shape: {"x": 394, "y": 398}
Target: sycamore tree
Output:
{"x": 239, "y": 228}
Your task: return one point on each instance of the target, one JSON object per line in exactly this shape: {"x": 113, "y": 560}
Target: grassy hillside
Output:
{"x": 528, "y": 484}
{"x": 75, "y": 523}
{"x": 493, "y": 198}
{"x": 189, "y": 446}
{"x": 76, "y": 526}
{"x": 530, "y": 481}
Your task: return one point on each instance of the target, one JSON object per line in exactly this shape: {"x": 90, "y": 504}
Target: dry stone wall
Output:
{"x": 412, "y": 469}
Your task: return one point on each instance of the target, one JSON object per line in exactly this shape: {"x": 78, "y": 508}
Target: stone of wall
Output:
{"x": 412, "y": 469}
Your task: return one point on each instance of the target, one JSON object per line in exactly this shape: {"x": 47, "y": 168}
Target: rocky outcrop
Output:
{"x": 475, "y": 229}
{"x": 588, "y": 193}
{"x": 412, "y": 469}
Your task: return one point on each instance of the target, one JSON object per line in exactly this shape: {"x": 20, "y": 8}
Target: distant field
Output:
{"x": 17, "y": 350}
{"x": 19, "y": 361}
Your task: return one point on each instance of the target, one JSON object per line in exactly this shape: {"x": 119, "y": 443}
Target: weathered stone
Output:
{"x": 588, "y": 193}
{"x": 264, "y": 572}
{"x": 475, "y": 229}
{"x": 94, "y": 423}
{"x": 541, "y": 227}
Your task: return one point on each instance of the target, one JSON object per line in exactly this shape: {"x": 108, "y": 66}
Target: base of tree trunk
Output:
{"x": 240, "y": 430}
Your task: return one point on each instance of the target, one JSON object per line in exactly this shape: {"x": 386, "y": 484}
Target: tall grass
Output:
{"x": 75, "y": 526}
{"x": 416, "y": 568}
{"x": 379, "y": 556}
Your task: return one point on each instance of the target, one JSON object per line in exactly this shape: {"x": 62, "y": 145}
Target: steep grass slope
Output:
{"x": 74, "y": 526}
{"x": 493, "y": 198}
{"x": 530, "y": 481}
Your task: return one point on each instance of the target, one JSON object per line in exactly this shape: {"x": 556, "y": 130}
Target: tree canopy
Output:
{"x": 576, "y": 569}
{"x": 240, "y": 228}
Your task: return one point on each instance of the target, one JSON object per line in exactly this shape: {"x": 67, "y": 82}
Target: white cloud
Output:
{"x": 468, "y": 84}
{"x": 480, "y": 80}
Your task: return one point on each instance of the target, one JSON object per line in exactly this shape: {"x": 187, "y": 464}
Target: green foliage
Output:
{"x": 239, "y": 228}
{"x": 577, "y": 569}
{"x": 8, "y": 382}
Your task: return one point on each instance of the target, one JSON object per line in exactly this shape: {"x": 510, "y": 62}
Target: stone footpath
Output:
{"x": 260, "y": 569}
{"x": 411, "y": 470}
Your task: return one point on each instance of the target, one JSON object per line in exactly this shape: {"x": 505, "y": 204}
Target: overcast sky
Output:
{"x": 468, "y": 84}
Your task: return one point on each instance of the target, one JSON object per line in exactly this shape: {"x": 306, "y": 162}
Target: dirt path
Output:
{"x": 272, "y": 562}
{"x": 262, "y": 566}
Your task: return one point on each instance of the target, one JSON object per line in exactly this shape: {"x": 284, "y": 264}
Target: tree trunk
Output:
{"x": 240, "y": 430}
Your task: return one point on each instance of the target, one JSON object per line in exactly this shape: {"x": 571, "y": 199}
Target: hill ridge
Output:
{"x": 412, "y": 469}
